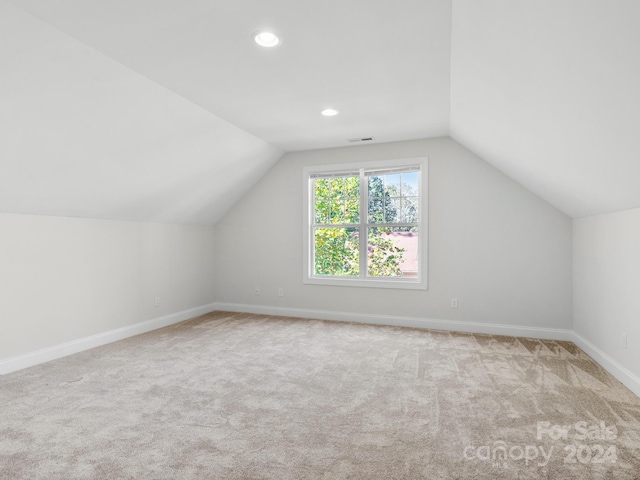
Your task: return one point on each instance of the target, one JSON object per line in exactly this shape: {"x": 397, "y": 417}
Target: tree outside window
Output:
{"x": 382, "y": 242}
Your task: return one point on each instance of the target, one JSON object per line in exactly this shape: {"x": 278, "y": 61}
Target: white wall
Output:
{"x": 547, "y": 89}
{"x": 64, "y": 279}
{"x": 502, "y": 251}
{"x": 606, "y": 283}
{"x": 78, "y": 126}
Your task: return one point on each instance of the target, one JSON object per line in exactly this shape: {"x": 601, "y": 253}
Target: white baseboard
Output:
{"x": 631, "y": 381}
{"x": 397, "y": 321}
{"x": 628, "y": 379}
{"x": 30, "y": 359}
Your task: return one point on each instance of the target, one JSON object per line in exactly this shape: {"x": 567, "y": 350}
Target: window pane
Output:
{"x": 392, "y": 252}
{"x": 388, "y": 230}
{"x": 352, "y": 186}
{"x": 338, "y": 188}
{"x": 410, "y": 185}
{"x": 410, "y": 209}
{"x": 321, "y": 212}
{"x": 352, "y": 210}
{"x": 377, "y": 199}
{"x": 352, "y": 200}
{"x": 337, "y": 211}
{"x": 336, "y": 200}
{"x": 376, "y": 186}
{"x": 392, "y": 184}
{"x": 376, "y": 210}
{"x": 336, "y": 252}
{"x": 321, "y": 188}
{"x": 388, "y": 202}
{"x": 392, "y": 210}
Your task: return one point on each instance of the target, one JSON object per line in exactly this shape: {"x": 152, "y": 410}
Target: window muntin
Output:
{"x": 336, "y": 213}
{"x": 364, "y": 225}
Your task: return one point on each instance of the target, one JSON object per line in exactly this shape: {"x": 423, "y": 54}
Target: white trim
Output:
{"x": 389, "y": 283}
{"x": 30, "y": 359}
{"x": 628, "y": 378}
{"x": 308, "y": 172}
{"x": 415, "y": 322}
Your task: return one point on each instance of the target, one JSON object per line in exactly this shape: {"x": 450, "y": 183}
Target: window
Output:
{"x": 365, "y": 225}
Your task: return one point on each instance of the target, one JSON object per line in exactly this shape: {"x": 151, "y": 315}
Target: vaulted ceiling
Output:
{"x": 548, "y": 91}
{"x": 167, "y": 110}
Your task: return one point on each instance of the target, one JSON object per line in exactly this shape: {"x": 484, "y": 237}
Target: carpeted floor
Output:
{"x": 237, "y": 396}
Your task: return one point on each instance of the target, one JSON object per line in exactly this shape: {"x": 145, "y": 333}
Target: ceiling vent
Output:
{"x": 358, "y": 140}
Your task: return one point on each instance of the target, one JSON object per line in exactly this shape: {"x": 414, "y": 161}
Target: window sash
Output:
{"x": 363, "y": 225}
{"x": 418, "y": 260}
{"x": 388, "y": 171}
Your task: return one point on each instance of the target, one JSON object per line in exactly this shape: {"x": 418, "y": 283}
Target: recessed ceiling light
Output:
{"x": 329, "y": 112}
{"x": 266, "y": 39}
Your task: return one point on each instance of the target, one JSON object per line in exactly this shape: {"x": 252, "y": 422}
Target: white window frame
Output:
{"x": 308, "y": 277}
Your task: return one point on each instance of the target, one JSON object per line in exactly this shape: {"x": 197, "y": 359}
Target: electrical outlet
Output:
{"x": 258, "y": 291}
{"x": 156, "y": 302}
{"x": 454, "y": 303}
{"x": 280, "y": 292}
{"x": 624, "y": 341}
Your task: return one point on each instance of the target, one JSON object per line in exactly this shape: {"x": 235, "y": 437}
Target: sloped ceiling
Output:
{"x": 549, "y": 92}
{"x": 167, "y": 111}
{"x": 81, "y": 135}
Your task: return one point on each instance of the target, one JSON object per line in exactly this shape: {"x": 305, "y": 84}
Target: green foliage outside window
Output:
{"x": 336, "y": 252}
{"x": 385, "y": 257}
{"x": 337, "y": 202}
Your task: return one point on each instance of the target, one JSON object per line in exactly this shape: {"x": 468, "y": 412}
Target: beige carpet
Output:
{"x": 236, "y": 396}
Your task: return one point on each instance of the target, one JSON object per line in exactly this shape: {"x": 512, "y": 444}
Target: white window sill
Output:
{"x": 398, "y": 283}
